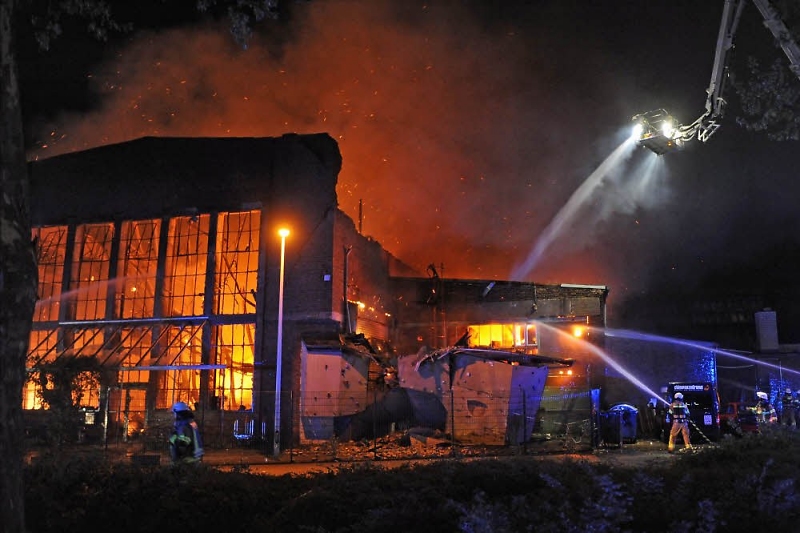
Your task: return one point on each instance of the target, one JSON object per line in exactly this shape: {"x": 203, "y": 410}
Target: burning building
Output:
{"x": 161, "y": 264}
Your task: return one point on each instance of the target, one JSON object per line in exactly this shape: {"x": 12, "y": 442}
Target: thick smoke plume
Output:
{"x": 464, "y": 130}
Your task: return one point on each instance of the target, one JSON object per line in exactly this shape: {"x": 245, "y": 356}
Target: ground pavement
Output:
{"x": 310, "y": 460}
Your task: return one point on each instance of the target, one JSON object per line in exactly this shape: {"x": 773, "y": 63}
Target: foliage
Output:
{"x": 48, "y": 24}
{"x": 768, "y": 91}
{"x": 94, "y": 494}
{"x": 746, "y": 484}
{"x": 62, "y": 386}
{"x": 770, "y": 98}
{"x": 242, "y": 14}
{"x": 49, "y": 20}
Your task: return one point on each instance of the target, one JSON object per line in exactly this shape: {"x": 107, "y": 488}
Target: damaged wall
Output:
{"x": 434, "y": 312}
{"x": 487, "y": 401}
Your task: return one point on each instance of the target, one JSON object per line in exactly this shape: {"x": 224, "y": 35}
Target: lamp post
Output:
{"x": 276, "y": 444}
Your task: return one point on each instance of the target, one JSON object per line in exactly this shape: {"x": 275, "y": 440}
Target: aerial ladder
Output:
{"x": 660, "y": 133}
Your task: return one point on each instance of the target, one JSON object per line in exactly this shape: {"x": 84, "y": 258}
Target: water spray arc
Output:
{"x": 612, "y": 188}
{"x": 646, "y": 337}
{"x": 596, "y": 350}
{"x": 628, "y": 374}
{"x": 657, "y": 338}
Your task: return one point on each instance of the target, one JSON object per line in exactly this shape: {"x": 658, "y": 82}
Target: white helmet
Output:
{"x": 679, "y": 396}
{"x": 180, "y": 406}
{"x": 788, "y": 390}
{"x": 762, "y": 395}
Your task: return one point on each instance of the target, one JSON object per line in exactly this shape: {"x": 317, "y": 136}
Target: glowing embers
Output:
{"x": 657, "y": 131}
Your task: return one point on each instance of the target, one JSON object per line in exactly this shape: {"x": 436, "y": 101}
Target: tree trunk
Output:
{"x": 18, "y": 279}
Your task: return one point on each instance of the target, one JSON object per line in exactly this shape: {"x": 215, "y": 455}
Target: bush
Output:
{"x": 744, "y": 484}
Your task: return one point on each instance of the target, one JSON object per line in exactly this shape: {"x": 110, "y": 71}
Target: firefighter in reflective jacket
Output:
{"x": 679, "y": 412}
{"x": 764, "y": 410}
{"x": 185, "y": 444}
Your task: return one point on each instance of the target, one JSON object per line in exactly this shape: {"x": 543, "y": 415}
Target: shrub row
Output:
{"x": 748, "y": 484}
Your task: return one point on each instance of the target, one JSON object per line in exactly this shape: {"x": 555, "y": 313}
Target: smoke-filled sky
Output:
{"x": 476, "y": 134}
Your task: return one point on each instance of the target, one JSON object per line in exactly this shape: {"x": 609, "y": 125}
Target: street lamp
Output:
{"x": 276, "y": 444}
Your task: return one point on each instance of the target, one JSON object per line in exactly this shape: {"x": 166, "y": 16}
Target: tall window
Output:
{"x": 234, "y": 349}
{"x": 136, "y": 270}
{"x": 41, "y": 350}
{"x": 51, "y": 243}
{"x": 183, "y": 348}
{"x": 90, "y": 267}
{"x": 187, "y": 248}
{"x": 237, "y": 262}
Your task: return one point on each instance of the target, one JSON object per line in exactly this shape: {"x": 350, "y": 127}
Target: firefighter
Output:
{"x": 765, "y": 412}
{"x": 679, "y": 412}
{"x": 788, "y": 414}
{"x": 796, "y": 405}
{"x": 185, "y": 443}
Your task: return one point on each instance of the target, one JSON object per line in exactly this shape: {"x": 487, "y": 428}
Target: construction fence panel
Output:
{"x": 323, "y": 425}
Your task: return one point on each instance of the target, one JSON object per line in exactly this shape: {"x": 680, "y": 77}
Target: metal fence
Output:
{"x": 327, "y": 425}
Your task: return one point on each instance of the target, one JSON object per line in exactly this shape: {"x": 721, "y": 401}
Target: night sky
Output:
{"x": 466, "y": 127}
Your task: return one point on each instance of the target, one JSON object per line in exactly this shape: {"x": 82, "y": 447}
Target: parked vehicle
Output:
{"x": 738, "y": 418}
{"x": 703, "y": 402}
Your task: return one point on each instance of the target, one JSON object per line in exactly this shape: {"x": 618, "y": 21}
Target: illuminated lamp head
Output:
{"x": 667, "y": 128}
{"x": 283, "y": 232}
{"x": 578, "y": 331}
{"x": 637, "y": 130}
